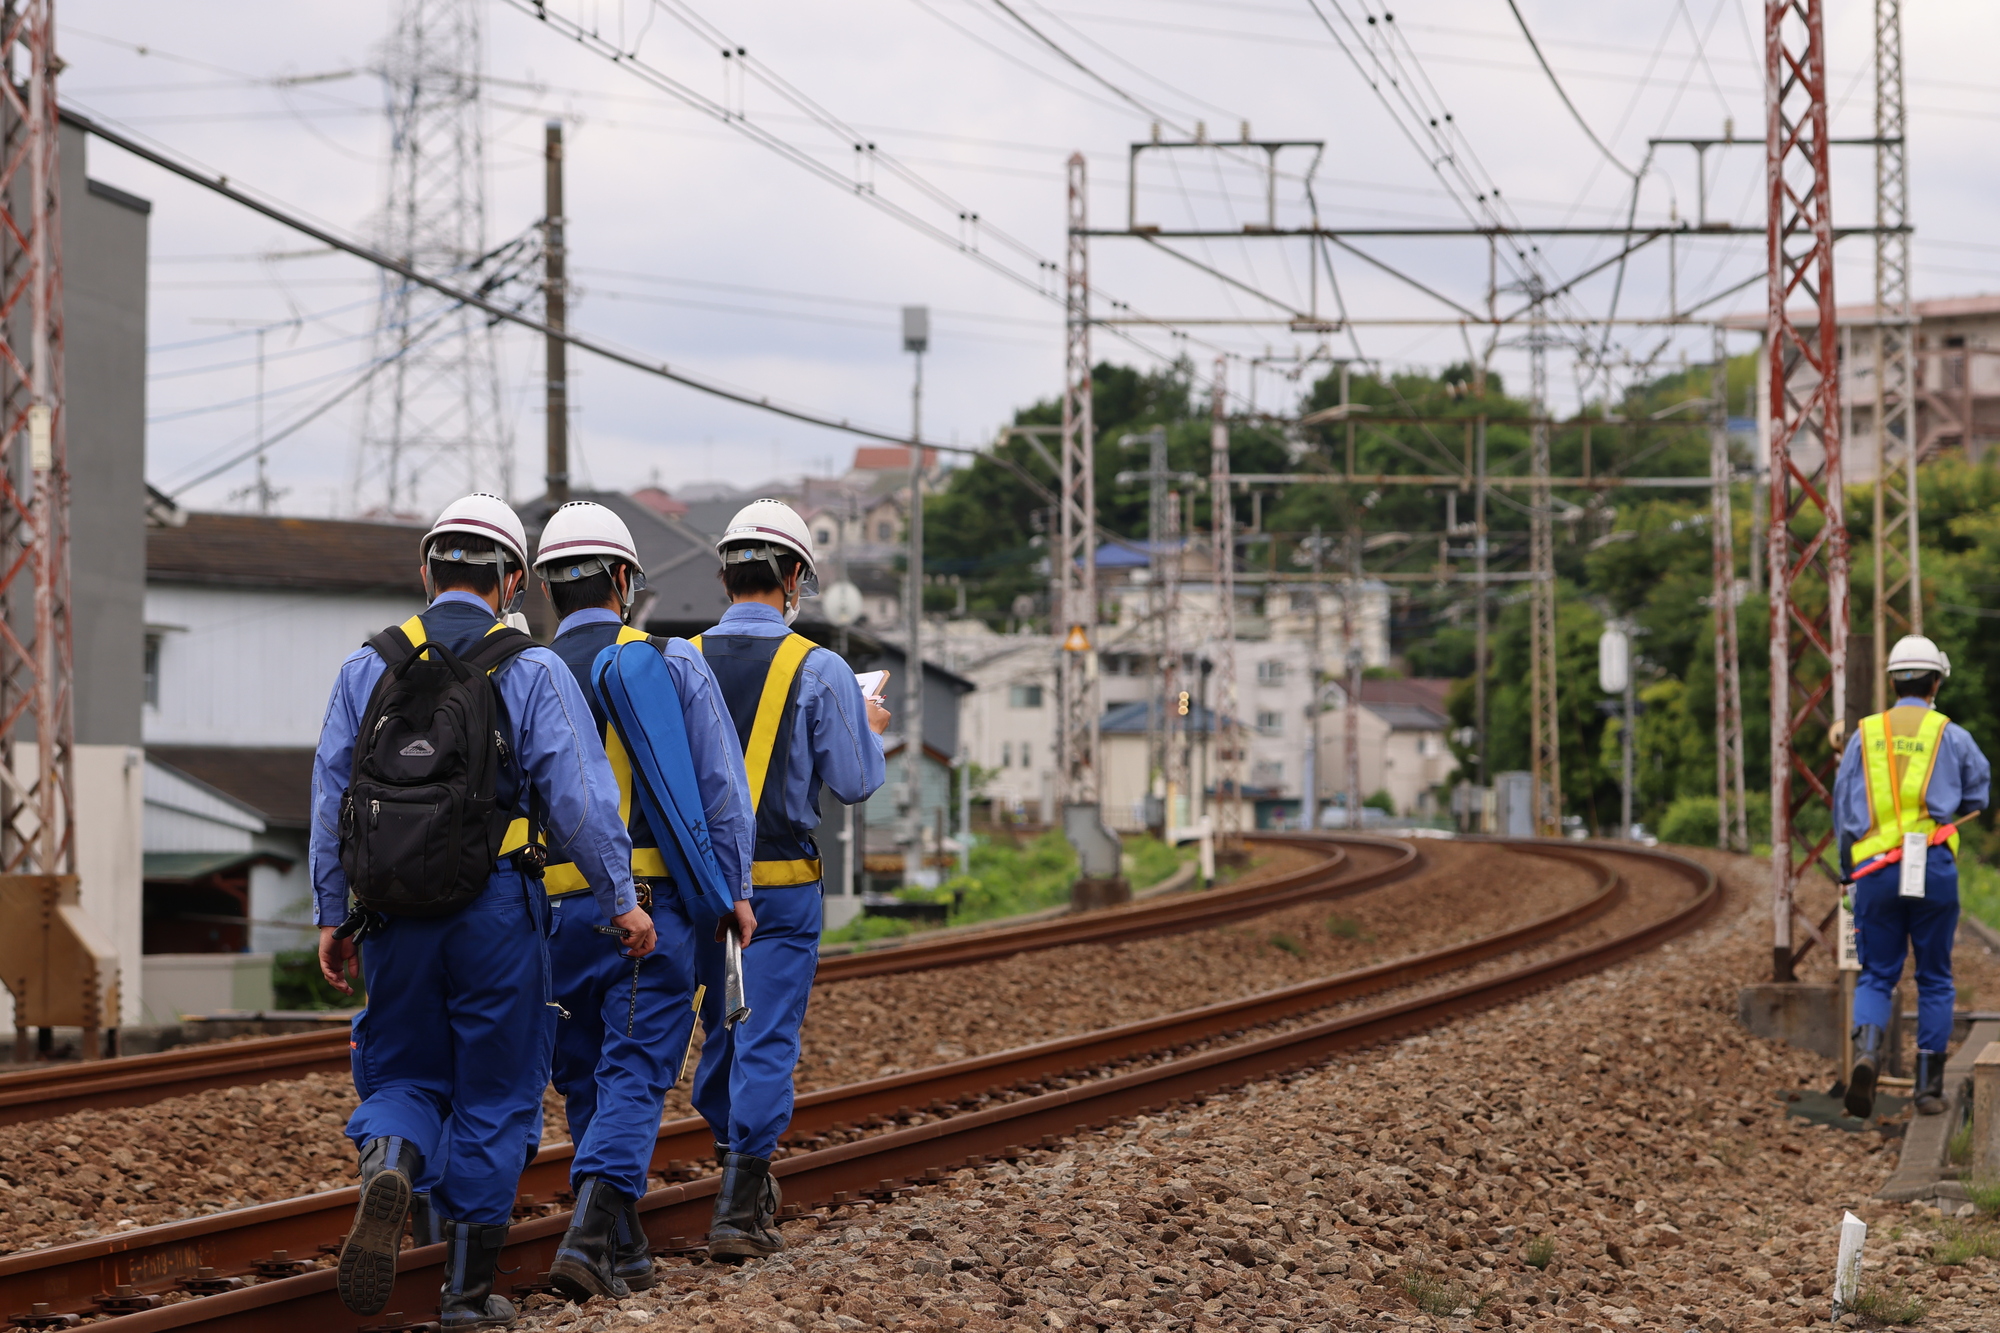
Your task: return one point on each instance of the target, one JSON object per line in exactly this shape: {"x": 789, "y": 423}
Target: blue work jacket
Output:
{"x": 1958, "y": 785}
{"x": 831, "y": 742}
{"x": 555, "y": 743}
{"x": 718, "y": 760}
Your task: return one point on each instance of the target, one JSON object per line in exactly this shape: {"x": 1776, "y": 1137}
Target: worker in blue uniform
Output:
{"x": 803, "y": 725}
{"x": 624, "y": 1025}
{"x": 1907, "y": 778}
{"x": 451, "y": 1053}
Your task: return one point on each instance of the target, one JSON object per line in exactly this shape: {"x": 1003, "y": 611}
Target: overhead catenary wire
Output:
{"x": 1556, "y": 84}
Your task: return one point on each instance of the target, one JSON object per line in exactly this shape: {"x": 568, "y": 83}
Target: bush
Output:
{"x": 296, "y": 983}
{"x": 1691, "y": 820}
{"x": 1979, "y": 890}
{"x": 1382, "y": 801}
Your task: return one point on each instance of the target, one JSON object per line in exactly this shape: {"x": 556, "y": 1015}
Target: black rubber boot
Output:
{"x": 1860, "y": 1101}
{"x": 367, "y": 1270}
{"x": 740, "y": 1229}
{"x": 586, "y": 1260}
{"x": 466, "y": 1300}
{"x": 633, "y": 1256}
{"x": 1930, "y": 1083}
{"x": 426, "y": 1227}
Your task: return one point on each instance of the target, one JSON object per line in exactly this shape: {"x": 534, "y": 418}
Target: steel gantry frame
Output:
{"x": 1899, "y": 598}
{"x": 1807, "y": 534}
{"x": 1073, "y": 564}
{"x": 37, "y": 818}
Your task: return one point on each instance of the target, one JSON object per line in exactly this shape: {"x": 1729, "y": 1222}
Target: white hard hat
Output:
{"x": 584, "y": 538}
{"x": 764, "y": 527}
{"x": 479, "y": 515}
{"x": 1914, "y": 653}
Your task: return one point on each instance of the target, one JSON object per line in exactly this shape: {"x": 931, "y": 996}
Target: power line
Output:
{"x": 1556, "y": 84}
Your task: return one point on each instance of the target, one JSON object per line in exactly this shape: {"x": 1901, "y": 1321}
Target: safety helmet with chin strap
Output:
{"x": 763, "y": 530}
{"x": 583, "y": 538}
{"x": 1916, "y": 655}
{"x": 480, "y": 515}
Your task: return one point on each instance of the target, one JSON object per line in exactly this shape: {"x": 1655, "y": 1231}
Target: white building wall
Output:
{"x": 182, "y": 816}
{"x": 253, "y": 666}
{"x": 1014, "y": 740}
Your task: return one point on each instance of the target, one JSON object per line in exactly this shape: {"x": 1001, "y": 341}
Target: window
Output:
{"x": 1302, "y": 601}
{"x": 1027, "y": 755}
{"x": 885, "y": 532}
{"x": 1006, "y": 754}
{"x": 1267, "y": 772}
{"x": 1271, "y": 672}
{"x": 1270, "y": 723}
{"x": 824, "y": 536}
{"x": 1024, "y": 696}
{"x": 151, "y": 670}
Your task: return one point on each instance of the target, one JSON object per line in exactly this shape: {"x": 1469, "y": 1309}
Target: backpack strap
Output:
{"x": 501, "y": 645}
{"x": 398, "y": 643}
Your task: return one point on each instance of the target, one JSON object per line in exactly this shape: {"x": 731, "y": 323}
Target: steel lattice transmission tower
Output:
{"x": 1807, "y": 534}
{"x": 1899, "y": 599}
{"x": 1545, "y": 733}
{"x": 37, "y": 820}
{"x": 433, "y": 421}
{"x": 1073, "y": 563}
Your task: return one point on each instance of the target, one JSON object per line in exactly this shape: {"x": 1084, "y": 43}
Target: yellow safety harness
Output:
{"x": 757, "y": 752}
{"x": 563, "y": 877}
{"x": 1899, "y": 751}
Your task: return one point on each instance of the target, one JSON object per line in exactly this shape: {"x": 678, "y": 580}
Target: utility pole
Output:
{"x": 916, "y": 341}
{"x": 1899, "y": 594}
{"x": 1229, "y": 744}
{"x": 1807, "y": 536}
{"x": 1731, "y": 826}
{"x": 555, "y": 297}
{"x": 1544, "y": 734}
{"x": 1316, "y": 548}
{"x": 1349, "y": 627}
{"x": 1481, "y": 659}
{"x": 1156, "y": 476}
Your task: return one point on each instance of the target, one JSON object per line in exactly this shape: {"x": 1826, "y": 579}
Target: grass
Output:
{"x": 1289, "y": 945}
{"x": 1960, "y": 1145}
{"x": 1959, "y": 1243}
{"x": 1435, "y": 1295}
{"x": 1979, "y": 889}
{"x": 1891, "y": 1305}
{"x": 1347, "y": 928}
{"x": 1985, "y": 1195}
{"x": 1009, "y": 880}
{"x": 1541, "y": 1250}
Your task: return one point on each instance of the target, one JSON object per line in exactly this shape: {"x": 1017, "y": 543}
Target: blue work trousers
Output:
{"x": 452, "y": 1051}
{"x": 743, "y": 1087}
{"x": 1887, "y": 926}
{"x": 625, "y": 1037}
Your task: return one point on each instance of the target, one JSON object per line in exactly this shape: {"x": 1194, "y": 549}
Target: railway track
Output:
{"x": 945, "y": 1116}
{"x": 57, "y": 1089}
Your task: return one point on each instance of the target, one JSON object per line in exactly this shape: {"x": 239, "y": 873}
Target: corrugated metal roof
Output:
{"x": 260, "y": 551}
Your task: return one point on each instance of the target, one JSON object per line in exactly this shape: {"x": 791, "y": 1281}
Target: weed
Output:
{"x": 1959, "y": 1243}
{"x": 1347, "y": 928}
{"x": 1433, "y": 1294}
{"x": 1985, "y": 1194}
{"x": 1289, "y": 945}
{"x": 1540, "y": 1251}
{"x": 1891, "y": 1305}
{"x": 1960, "y": 1145}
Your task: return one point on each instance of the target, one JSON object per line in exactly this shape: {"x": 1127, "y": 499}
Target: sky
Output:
{"x": 737, "y": 234}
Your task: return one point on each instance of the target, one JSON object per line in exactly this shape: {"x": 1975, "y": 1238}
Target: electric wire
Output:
{"x": 1562, "y": 93}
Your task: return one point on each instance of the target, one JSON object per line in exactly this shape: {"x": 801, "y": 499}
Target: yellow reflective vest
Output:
{"x": 1899, "y": 749}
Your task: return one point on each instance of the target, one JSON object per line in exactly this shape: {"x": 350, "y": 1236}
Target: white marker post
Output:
{"x": 1847, "y": 1268}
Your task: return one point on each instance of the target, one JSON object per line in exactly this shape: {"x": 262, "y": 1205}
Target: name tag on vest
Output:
{"x": 1916, "y": 850}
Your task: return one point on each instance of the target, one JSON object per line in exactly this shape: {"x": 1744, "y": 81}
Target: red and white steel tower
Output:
{"x": 1807, "y": 534}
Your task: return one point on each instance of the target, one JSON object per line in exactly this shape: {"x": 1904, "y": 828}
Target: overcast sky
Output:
{"x": 698, "y": 245}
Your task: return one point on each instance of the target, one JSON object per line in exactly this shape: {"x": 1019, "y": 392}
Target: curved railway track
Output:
{"x": 984, "y": 1107}
{"x": 57, "y": 1089}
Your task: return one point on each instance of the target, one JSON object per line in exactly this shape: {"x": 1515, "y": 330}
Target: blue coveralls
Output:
{"x": 743, "y": 1086}
{"x": 452, "y": 1052}
{"x": 629, "y": 1020}
{"x": 1887, "y": 925}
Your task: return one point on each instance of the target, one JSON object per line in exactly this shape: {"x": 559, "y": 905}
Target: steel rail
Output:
{"x": 58, "y": 1089}
{"x": 70, "y": 1276}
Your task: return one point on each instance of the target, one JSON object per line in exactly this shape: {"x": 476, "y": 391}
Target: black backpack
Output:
{"x": 420, "y": 823}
